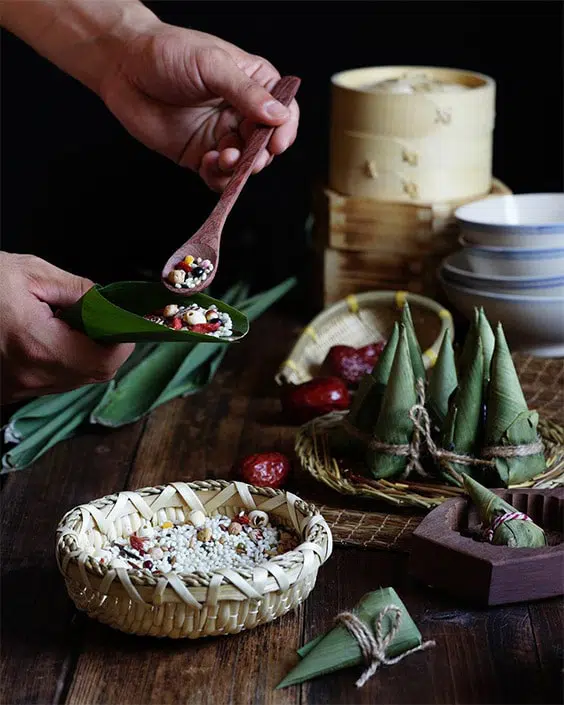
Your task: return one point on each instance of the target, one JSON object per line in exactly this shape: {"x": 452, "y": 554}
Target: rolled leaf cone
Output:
{"x": 488, "y": 341}
{"x": 463, "y": 425}
{"x": 518, "y": 533}
{"x": 480, "y": 329}
{"x": 367, "y": 400}
{"x": 443, "y": 382}
{"x": 414, "y": 347}
{"x": 338, "y": 649}
{"x": 394, "y": 425}
{"x": 509, "y": 421}
{"x": 115, "y": 314}
{"x": 469, "y": 346}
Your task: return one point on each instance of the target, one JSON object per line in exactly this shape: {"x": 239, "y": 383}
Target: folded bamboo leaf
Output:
{"x": 338, "y": 649}
{"x": 443, "y": 382}
{"x": 414, "y": 347}
{"x": 488, "y": 341}
{"x": 517, "y": 532}
{"x": 394, "y": 425}
{"x": 58, "y": 428}
{"x": 480, "y": 329}
{"x": 463, "y": 425}
{"x": 114, "y": 314}
{"x": 170, "y": 371}
{"x": 367, "y": 401}
{"x": 509, "y": 421}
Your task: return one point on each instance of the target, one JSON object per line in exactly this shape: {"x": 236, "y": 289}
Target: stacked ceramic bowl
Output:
{"x": 512, "y": 264}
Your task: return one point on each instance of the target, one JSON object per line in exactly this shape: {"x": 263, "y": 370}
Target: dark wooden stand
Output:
{"x": 446, "y": 554}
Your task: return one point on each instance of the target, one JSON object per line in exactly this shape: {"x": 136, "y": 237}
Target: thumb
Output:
{"x": 224, "y": 78}
{"x": 57, "y": 287}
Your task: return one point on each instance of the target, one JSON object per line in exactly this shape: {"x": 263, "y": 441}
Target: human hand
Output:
{"x": 39, "y": 353}
{"x": 196, "y": 98}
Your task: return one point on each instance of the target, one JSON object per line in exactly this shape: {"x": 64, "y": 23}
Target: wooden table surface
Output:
{"x": 53, "y": 654}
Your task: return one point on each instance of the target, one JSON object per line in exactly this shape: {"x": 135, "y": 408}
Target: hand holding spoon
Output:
{"x": 202, "y": 249}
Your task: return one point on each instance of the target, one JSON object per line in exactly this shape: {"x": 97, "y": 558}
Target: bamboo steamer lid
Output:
{"x": 358, "y": 108}
{"x": 392, "y": 146}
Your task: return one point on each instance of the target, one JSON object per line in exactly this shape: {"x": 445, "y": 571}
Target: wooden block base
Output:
{"x": 444, "y": 554}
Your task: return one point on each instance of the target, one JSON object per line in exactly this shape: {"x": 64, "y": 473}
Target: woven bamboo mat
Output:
{"x": 542, "y": 380}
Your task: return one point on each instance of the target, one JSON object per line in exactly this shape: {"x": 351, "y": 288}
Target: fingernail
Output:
{"x": 274, "y": 109}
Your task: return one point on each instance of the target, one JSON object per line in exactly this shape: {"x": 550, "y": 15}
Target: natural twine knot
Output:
{"x": 423, "y": 439}
{"x": 373, "y": 645}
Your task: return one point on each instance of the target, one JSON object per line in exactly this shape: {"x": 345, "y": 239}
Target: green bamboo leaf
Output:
{"x": 114, "y": 314}
{"x": 58, "y": 428}
{"x": 443, "y": 382}
{"x": 338, "y": 649}
{"x": 517, "y": 533}
{"x": 463, "y": 425}
{"x": 367, "y": 401}
{"x": 508, "y": 419}
{"x": 394, "y": 425}
{"x": 414, "y": 348}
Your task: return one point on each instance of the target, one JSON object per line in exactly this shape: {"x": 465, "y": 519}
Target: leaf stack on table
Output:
{"x": 153, "y": 375}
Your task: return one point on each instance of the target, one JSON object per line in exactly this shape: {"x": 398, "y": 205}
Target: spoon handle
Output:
{"x": 284, "y": 92}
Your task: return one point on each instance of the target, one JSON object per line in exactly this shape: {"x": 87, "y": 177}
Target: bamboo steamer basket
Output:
{"x": 411, "y": 148}
{"x": 189, "y": 605}
{"x": 359, "y": 320}
{"x": 360, "y": 244}
{"x": 363, "y": 224}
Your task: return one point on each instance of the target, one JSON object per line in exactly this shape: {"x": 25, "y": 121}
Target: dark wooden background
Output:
{"x": 53, "y": 654}
{"x": 78, "y": 190}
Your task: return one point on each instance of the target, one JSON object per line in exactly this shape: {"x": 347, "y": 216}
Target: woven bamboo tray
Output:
{"x": 197, "y": 604}
{"x": 542, "y": 381}
{"x": 313, "y": 450}
{"x": 359, "y": 320}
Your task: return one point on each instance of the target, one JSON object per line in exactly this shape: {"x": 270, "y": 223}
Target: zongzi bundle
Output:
{"x": 413, "y": 343}
{"x": 393, "y": 431}
{"x": 391, "y": 633}
{"x": 443, "y": 382}
{"x": 480, "y": 329}
{"x": 366, "y": 403}
{"x": 503, "y": 524}
{"x": 464, "y": 421}
{"x": 511, "y": 438}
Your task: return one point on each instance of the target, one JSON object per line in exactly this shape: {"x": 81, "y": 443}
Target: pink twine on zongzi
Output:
{"x": 501, "y": 519}
{"x": 373, "y": 645}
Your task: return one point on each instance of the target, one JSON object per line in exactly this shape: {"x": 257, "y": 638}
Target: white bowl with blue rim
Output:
{"x": 530, "y": 220}
{"x": 532, "y": 324}
{"x": 514, "y": 262}
{"x": 455, "y": 269}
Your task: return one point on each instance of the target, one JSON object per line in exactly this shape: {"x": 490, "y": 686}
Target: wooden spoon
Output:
{"x": 205, "y": 242}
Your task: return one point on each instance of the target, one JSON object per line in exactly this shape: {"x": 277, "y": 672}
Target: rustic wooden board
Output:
{"x": 53, "y": 654}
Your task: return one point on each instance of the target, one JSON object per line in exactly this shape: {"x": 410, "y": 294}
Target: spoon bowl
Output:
{"x": 203, "y": 246}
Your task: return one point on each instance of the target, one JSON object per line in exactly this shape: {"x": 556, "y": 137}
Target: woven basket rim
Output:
{"x": 316, "y": 538}
{"x": 354, "y": 302}
{"x": 398, "y": 493}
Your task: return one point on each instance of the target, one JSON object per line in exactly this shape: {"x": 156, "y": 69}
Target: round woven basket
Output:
{"x": 313, "y": 450}
{"x": 194, "y": 605}
{"x": 362, "y": 319}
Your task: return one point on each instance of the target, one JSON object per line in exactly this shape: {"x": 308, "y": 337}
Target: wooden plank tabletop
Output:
{"x": 53, "y": 654}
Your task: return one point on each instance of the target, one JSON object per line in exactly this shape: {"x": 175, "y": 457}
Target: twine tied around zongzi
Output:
{"x": 422, "y": 435}
{"x": 501, "y": 519}
{"x": 373, "y": 644}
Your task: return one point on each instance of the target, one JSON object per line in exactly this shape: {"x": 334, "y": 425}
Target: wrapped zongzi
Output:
{"x": 503, "y": 524}
{"x": 511, "y": 438}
